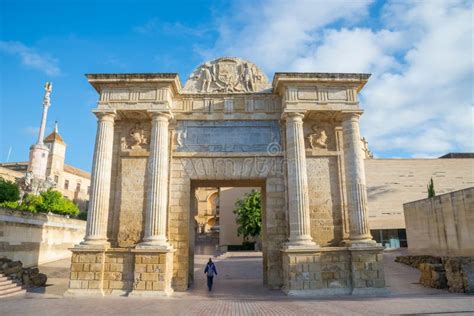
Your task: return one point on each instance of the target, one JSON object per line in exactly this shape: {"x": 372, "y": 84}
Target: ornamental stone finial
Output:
{"x": 48, "y": 88}
{"x": 227, "y": 75}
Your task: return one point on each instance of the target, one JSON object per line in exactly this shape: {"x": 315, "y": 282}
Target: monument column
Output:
{"x": 96, "y": 230}
{"x": 157, "y": 183}
{"x": 38, "y": 161}
{"x": 298, "y": 201}
{"x": 355, "y": 180}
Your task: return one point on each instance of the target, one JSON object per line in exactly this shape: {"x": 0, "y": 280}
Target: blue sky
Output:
{"x": 418, "y": 102}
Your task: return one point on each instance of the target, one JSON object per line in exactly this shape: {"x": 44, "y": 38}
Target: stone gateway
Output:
{"x": 297, "y": 139}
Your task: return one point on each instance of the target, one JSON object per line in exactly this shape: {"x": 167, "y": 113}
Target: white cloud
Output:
{"x": 31, "y": 130}
{"x": 154, "y": 26}
{"x": 30, "y": 58}
{"x": 419, "y": 98}
{"x": 274, "y": 33}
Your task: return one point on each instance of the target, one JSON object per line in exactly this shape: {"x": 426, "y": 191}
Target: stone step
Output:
{"x": 4, "y": 286}
{"x": 9, "y": 284}
{"x": 12, "y": 291}
{"x": 7, "y": 280}
{"x": 3, "y": 278}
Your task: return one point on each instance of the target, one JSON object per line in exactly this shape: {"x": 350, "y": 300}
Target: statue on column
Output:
{"x": 35, "y": 180}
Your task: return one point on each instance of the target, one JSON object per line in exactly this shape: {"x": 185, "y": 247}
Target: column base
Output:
{"x": 155, "y": 245}
{"x": 362, "y": 243}
{"x": 100, "y": 244}
{"x": 300, "y": 245}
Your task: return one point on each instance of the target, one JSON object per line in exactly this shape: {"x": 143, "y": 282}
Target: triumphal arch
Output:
{"x": 296, "y": 138}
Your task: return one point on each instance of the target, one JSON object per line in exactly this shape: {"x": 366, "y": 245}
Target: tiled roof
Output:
{"x": 54, "y": 137}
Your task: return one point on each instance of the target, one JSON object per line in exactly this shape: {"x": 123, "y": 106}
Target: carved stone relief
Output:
{"x": 318, "y": 138}
{"x": 135, "y": 138}
{"x": 227, "y": 75}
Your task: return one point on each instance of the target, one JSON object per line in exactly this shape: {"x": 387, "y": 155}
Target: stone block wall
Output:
{"x": 87, "y": 270}
{"x": 153, "y": 273}
{"x": 460, "y": 274}
{"x": 441, "y": 225}
{"x": 433, "y": 275}
{"x": 332, "y": 271}
{"x": 326, "y": 212}
{"x": 120, "y": 272}
{"x": 367, "y": 269}
{"x": 35, "y": 239}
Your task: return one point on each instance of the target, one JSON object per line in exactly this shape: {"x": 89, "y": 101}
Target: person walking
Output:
{"x": 210, "y": 271}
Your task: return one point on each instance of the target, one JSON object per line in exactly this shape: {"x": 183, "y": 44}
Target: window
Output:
{"x": 56, "y": 179}
{"x": 78, "y": 187}
{"x": 66, "y": 184}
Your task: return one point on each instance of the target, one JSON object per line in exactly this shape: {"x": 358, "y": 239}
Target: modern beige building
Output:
{"x": 394, "y": 182}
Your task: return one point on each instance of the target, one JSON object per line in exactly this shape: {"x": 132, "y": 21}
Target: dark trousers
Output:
{"x": 209, "y": 282}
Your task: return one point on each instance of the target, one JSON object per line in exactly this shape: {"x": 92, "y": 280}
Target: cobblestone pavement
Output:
{"x": 238, "y": 290}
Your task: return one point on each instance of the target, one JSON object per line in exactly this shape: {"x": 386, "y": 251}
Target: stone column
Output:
{"x": 96, "y": 231}
{"x": 157, "y": 183}
{"x": 355, "y": 180}
{"x": 298, "y": 201}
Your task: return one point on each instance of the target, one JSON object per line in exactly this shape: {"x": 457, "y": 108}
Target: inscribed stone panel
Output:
{"x": 226, "y": 136}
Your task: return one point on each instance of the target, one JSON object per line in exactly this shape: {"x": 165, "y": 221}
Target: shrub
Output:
{"x": 54, "y": 202}
{"x": 9, "y": 191}
{"x": 49, "y": 201}
{"x": 31, "y": 203}
{"x": 9, "y": 204}
{"x": 82, "y": 216}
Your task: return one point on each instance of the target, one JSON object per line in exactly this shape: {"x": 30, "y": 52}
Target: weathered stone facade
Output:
{"x": 296, "y": 139}
{"x": 441, "y": 225}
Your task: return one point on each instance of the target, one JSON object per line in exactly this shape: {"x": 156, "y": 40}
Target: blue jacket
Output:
{"x": 209, "y": 267}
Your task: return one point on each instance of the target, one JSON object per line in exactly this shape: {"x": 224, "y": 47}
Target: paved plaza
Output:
{"x": 239, "y": 291}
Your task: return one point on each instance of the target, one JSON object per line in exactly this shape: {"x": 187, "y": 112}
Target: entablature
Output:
{"x": 323, "y": 91}
{"x": 135, "y": 91}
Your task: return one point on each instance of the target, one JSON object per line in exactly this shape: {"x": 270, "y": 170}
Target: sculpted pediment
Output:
{"x": 227, "y": 75}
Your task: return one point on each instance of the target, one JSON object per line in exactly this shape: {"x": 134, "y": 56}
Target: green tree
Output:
{"x": 49, "y": 201}
{"x": 54, "y": 202}
{"x": 431, "y": 190}
{"x": 9, "y": 191}
{"x": 249, "y": 215}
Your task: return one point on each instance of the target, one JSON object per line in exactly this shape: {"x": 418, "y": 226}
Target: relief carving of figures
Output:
{"x": 248, "y": 77}
{"x": 206, "y": 77}
{"x": 365, "y": 149}
{"x": 318, "y": 139}
{"x": 136, "y": 139}
{"x": 180, "y": 138}
{"x": 228, "y": 75}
